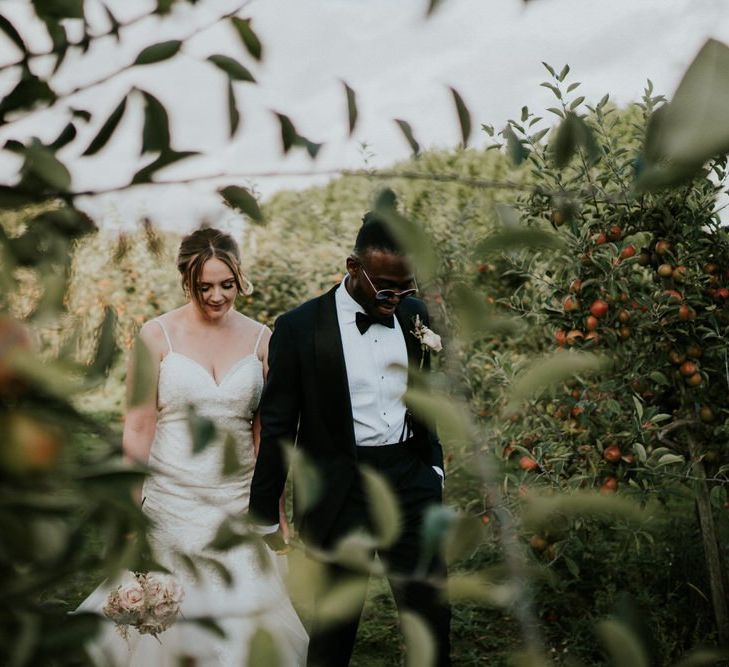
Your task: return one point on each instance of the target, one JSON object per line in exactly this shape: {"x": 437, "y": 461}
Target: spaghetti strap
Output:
{"x": 164, "y": 331}
{"x": 258, "y": 340}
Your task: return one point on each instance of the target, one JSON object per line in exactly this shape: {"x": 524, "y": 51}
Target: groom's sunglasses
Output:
{"x": 388, "y": 294}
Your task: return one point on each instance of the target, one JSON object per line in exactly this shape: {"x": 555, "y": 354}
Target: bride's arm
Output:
{"x": 141, "y": 416}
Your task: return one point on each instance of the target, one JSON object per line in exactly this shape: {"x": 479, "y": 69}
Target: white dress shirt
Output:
{"x": 377, "y": 373}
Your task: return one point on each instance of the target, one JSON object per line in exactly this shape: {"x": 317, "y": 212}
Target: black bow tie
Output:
{"x": 365, "y": 321}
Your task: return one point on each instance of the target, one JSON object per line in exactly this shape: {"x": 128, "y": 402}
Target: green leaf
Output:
{"x": 622, "y": 645}
{"x": 542, "y": 512}
{"x": 65, "y": 137}
{"x": 549, "y": 68}
{"x": 342, "y": 601}
{"x": 464, "y": 117}
{"x": 668, "y": 459}
{"x": 158, "y": 52}
{"x": 476, "y": 587}
{"x": 208, "y": 623}
{"x": 518, "y": 238}
{"x": 231, "y": 462}
{"x": 437, "y": 523}
{"x": 290, "y": 137}
{"x": 14, "y": 36}
{"x": 419, "y": 640}
{"x": 249, "y": 38}
{"x": 232, "y": 68}
{"x": 476, "y": 317}
{"x": 242, "y": 200}
{"x": 550, "y": 372}
{"x": 693, "y": 127}
{"x": 382, "y": 507}
{"x": 565, "y": 71}
{"x": 553, "y": 88}
{"x": 107, "y": 129}
{"x": 59, "y": 9}
{"x": 202, "y": 430}
{"x": 638, "y": 408}
{"x": 464, "y": 536}
{"x": 449, "y": 416}
{"x": 106, "y": 349}
{"x": 144, "y": 378}
{"x": 408, "y": 134}
{"x": 573, "y": 133}
{"x": 43, "y": 163}
{"x": 227, "y": 537}
{"x": 29, "y": 93}
{"x": 703, "y": 657}
{"x": 411, "y": 235}
{"x": 514, "y": 147}
{"x": 263, "y": 651}
{"x": 233, "y": 113}
{"x": 306, "y": 478}
{"x": 11, "y": 198}
{"x": 165, "y": 158}
{"x": 156, "y": 132}
{"x": 351, "y": 107}
{"x": 432, "y": 7}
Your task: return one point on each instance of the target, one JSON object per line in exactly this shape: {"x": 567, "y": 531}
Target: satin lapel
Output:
{"x": 331, "y": 370}
{"x": 405, "y": 318}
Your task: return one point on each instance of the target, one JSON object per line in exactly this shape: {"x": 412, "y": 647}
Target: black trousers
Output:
{"x": 417, "y": 486}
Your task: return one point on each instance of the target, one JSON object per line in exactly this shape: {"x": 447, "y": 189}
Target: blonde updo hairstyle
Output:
{"x": 200, "y": 246}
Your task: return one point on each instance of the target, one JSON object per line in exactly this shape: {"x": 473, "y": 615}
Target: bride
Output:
{"x": 209, "y": 357}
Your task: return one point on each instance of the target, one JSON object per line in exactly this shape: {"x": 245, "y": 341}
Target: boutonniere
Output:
{"x": 429, "y": 340}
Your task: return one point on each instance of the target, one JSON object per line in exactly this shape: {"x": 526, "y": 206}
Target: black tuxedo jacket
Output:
{"x": 306, "y": 401}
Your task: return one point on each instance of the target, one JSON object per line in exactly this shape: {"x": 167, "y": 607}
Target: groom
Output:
{"x": 338, "y": 372}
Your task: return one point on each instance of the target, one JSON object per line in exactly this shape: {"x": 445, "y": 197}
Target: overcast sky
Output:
{"x": 399, "y": 64}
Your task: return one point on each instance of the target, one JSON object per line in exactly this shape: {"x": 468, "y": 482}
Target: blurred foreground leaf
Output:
{"x": 550, "y": 372}
{"x": 382, "y": 505}
{"x": 342, "y": 601}
{"x": 202, "y": 430}
{"x": 694, "y": 126}
{"x": 437, "y": 410}
{"x": 411, "y": 235}
{"x": 476, "y": 317}
{"x": 506, "y": 240}
{"x": 622, "y": 645}
{"x": 541, "y": 512}
{"x": 263, "y": 651}
{"x": 144, "y": 378}
{"x": 477, "y": 587}
{"x": 106, "y": 348}
{"x": 572, "y": 135}
{"x": 242, "y": 200}
{"x": 306, "y": 478}
{"x": 419, "y": 641}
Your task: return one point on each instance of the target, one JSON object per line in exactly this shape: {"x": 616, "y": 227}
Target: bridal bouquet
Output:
{"x": 148, "y": 602}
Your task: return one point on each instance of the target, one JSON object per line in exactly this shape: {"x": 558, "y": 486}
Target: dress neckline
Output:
{"x": 206, "y": 371}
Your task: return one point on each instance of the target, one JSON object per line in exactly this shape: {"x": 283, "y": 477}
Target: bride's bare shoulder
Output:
{"x": 153, "y": 334}
{"x": 243, "y": 322}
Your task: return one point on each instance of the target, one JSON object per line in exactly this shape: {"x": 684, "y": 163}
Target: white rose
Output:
{"x": 431, "y": 340}
{"x": 165, "y": 612}
{"x": 131, "y": 597}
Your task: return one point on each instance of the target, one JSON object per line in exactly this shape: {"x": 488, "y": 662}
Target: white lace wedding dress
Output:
{"x": 186, "y": 500}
